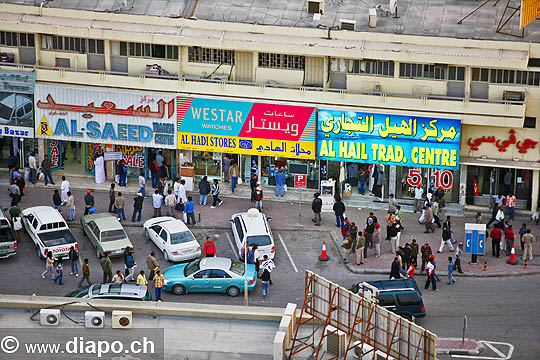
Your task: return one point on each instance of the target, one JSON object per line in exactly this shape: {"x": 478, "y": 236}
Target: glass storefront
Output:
{"x": 408, "y": 178}
{"x": 207, "y": 164}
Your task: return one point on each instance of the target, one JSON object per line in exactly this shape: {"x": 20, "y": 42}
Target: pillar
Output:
{"x": 534, "y": 190}
{"x": 392, "y": 180}
{"x": 107, "y": 55}
{"x": 462, "y": 184}
{"x": 37, "y": 48}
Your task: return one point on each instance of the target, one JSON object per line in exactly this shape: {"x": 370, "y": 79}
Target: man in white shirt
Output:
{"x": 157, "y": 201}
{"x": 64, "y": 188}
{"x": 32, "y": 163}
{"x": 418, "y": 192}
{"x": 180, "y": 191}
{"x": 142, "y": 185}
{"x": 500, "y": 216}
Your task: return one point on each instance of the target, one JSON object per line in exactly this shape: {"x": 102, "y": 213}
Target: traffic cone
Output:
{"x": 323, "y": 256}
{"x": 512, "y": 260}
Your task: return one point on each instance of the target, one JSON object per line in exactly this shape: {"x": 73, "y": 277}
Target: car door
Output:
{"x": 219, "y": 281}
{"x": 200, "y": 281}
{"x": 239, "y": 238}
{"x": 387, "y": 301}
{"x": 164, "y": 240}
{"x": 154, "y": 231}
{"x": 93, "y": 235}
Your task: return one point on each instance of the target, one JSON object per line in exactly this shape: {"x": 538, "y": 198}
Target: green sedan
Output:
{"x": 106, "y": 234}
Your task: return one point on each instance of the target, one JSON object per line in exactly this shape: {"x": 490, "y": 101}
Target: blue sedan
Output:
{"x": 211, "y": 274}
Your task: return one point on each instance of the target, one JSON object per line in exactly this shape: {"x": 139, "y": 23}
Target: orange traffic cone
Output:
{"x": 323, "y": 256}
{"x": 512, "y": 260}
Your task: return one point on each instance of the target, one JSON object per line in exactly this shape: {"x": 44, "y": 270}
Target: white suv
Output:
{"x": 252, "y": 226}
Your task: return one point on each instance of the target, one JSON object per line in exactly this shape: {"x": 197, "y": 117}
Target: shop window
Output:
{"x": 530, "y": 122}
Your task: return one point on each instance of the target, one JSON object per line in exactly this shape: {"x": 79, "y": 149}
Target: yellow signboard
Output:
{"x": 530, "y": 10}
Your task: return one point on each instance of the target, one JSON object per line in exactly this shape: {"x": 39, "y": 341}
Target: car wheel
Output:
{"x": 98, "y": 254}
{"x": 233, "y": 291}
{"x": 407, "y": 316}
{"x": 146, "y": 234}
{"x": 165, "y": 255}
{"x": 178, "y": 290}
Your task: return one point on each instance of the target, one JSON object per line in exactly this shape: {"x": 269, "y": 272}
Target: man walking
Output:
{"x": 446, "y": 235}
{"x": 360, "y": 244}
{"x": 85, "y": 273}
{"x": 170, "y": 203}
{"x": 130, "y": 266}
{"x": 390, "y": 220}
{"x": 106, "y": 266}
{"x": 392, "y": 203}
{"x": 316, "y": 206}
{"x": 152, "y": 264}
{"x": 32, "y": 163}
{"x": 157, "y": 283}
{"x": 280, "y": 182}
{"x": 459, "y": 254}
{"x": 204, "y": 190}
{"x": 418, "y": 192}
{"x": 234, "y": 172}
{"x": 426, "y": 252}
{"x": 112, "y": 198}
{"x": 339, "y": 210}
{"x": 57, "y": 201}
{"x": 511, "y": 205}
{"x": 215, "y": 194}
{"x": 70, "y": 205}
{"x": 122, "y": 173}
{"x": 428, "y": 219}
{"x": 430, "y": 274}
{"x": 528, "y": 239}
{"x": 137, "y": 207}
{"x": 496, "y": 235}
{"x": 119, "y": 203}
{"x": 414, "y": 253}
{"x": 157, "y": 201}
{"x": 64, "y": 188}
{"x": 15, "y": 193}
{"x": 436, "y": 208}
{"x": 46, "y": 169}
{"x": 142, "y": 184}
{"x": 88, "y": 202}
{"x": 509, "y": 239}
{"x": 74, "y": 260}
{"x": 268, "y": 264}
{"x": 209, "y": 248}
{"x": 451, "y": 264}
{"x": 189, "y": 210}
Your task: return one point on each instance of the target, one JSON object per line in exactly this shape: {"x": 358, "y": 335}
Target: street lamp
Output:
{"x": 246, "y": 247}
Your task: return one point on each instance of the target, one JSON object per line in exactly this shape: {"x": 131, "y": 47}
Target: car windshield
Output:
{"x": 192, "y": 267}
{"x": 55, "y": 238}
{"x": 259, "y": 240}
{"x": 181, "y": 237}
{"x": 237, "y": 267}
{"x": 6, "y": 235}
{"x": 96, "y": 290}
{"x": 79, "y": 293}
{"x": 112, "y": 235}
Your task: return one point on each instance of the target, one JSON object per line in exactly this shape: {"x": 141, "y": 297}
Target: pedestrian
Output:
{"x": 407, "y": 252}
{"x": 181, "y": 191}
{"x": 64, "y": 188}
{"x": 376, "y": 237}
{"x": 234, "y": 172}
{"x": 142, "y": 184}
{"x": 265, "y": 282}
{"x": 122, "y": 173}
{"x": 49, "y": 266}
{"x": 112, "y": 198}
{"x": 14, "y": 193}
{"x": 32, "y": 163}
{"x": 154, "y": 173}
{"x": 118, "y": 278}
{"x": 152, "y": 264}
{"x": 257, "y": 197}
{"x": 21, "y": 184}
{"x": 426, "y": 252}
{"x": 160, "y": 186}
{"x": 451, "y": 267}
{"x": 418, "y": 192}
{"x": 160, "y": 159}
{"x": 157, "y": 283}
{"x": 394, "y": 270}
{"x": 209, "y": 248}
{"x": 360, "y": 244}
{"x": 398, "y": 213}
{"x": 410, "y": 271}
{"x": 280, "y": 182}
{"x": 268, "y": 264}
{"x": 493, "y": 215}
{"x": 85, "y": 273}
{"x": 522, "y": 231}
{"x": 353, "y": 233}
{"x": 339, "y": 210}
{"x": 390, "y": 219}
{"x": 215, "y": 194}
{"x": 74, "y": 261}
{"x": 414, "y": 253}
{"x": 59, "y": 273}
{"x": 370, "y": 228}
{"x": 345, "y": 226}
{"x": 170, "y": 203}
{"x": 119, "y": 204}
{"x": 189, "y": 211}
{"x": 243, "y": 251}
{"x": 13, "y": 172}
{"x": 509, "y": 239}
{"x": 430, "y": 272}
{"x": 106, "y": 267}
{"x": 226, "y": 164}
{"x": 459, "y": 254}
{"x": 46, "y": 169}
{"x": 57, "y": 201}
{"x": 137, "y": 207}
{"x": 204, "y": 190}
{"x": 17, "y": 227}
{"x": 392, "y": 203}
{"x": 70, "y": 205}
{"x": 496, "y": 235}
{"x": 436, "y": 208}
{"x": 499, "y": 218}
{"x": 253, "y": 181}
{"x": 316, "y": 207}
{"x": 528, "y": 239}
{"x": 141, "y": 279}
{"x": 88, "y": 201}
{"x": 157, "y": 201}
{"x": 448, "y": 223}
{"x": 362, "y": 181}
{"x": 256, "y": 260}
{"x": 99, "y": 168}
{"x": 428, "y": 219}
{"x": 446, "y": 235}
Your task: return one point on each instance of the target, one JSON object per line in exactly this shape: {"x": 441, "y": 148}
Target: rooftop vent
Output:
{"x": 345, "y": 24}
{"x": 315, "y": 6}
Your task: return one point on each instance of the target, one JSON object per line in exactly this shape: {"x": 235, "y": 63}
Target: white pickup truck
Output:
{"x": 49, "y": 231}
{"x": 8, "y": 244}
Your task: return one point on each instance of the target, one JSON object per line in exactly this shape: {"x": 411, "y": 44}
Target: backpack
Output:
{"x": 129, "y": 261}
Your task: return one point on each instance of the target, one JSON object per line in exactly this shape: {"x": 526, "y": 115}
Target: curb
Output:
{"x": 349, "y": 267}
{"x": 476, "y": 351}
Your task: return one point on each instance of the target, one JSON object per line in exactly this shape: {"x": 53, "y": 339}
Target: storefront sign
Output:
{"x": 502, "y": 145}
{"x": 114, "y": 117}
{"x": 388, "y": 139}
{"x": 133, "y": 155}
{"x": 16, "y": 104}
{"x": 112, "y": 156}
{"x": 443, "y": 179}
{"x": 246, "y": 128}
{"x": 19, "y": 82}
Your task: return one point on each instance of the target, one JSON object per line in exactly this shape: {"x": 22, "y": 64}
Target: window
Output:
{"x": 181, "y": 237}
{"x": 219, "y": 274}
{"x": 199, "y": 54}
{"x": 386, "y": 300}
{"x": 430, "y": 71}
{"x": 163, "y": 235}
{"x": 534, "y": 62}
{"x": 239, "y": 228}
{"x": 96, "y": 46}
{"x": 530, "y": 122}
{"x": 149, "y": 50}
{"x": 282, "y": 61}
{"x": 456, "y": 73}
{"x": 65, "y": 43}
{"x": 408, "y": 299}
{"x": 203, "y": 274}
{"x": 502, "y": 76}
{"x": 26, "y": 40}
{"x": 113, "y": 235}
{"x": 8, "y": 38}
{"x": 372, "y": 67}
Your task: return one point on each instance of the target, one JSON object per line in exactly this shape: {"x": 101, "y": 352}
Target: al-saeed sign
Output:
{"x": 246, "y": 127}
{"x": 104, "y": 116}
{"x": 388, "y": 139}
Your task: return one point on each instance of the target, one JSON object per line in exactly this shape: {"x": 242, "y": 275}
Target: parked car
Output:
{"x": 173, "y": 238}
{"x": 8, "y": 244}
{"x": 212, "y": 274}
{"x": 106, "y": 234}
{"x": 16, "y": 109}
{"x": 400, "y": 296}
{"x": 112, "y": 291}
{"x": 49, "y": 231}
{"x": 252, "y": 226}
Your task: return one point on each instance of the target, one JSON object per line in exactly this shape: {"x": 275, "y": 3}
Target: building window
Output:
{"x": 430, "y": 71}
{"x": 501, "y": 76}
{"x": 534, "y": 62}
{"x": 96, "y": 46}
{"x": 282, "y": 61}
{"x": 372, "y": 67}
{"x": 199, "y": 54}
{"x": 149, "y": 50}
{"x": 530, "y": 122}
{"x": 8, "y": 38}
{"x": 456, "y": 73}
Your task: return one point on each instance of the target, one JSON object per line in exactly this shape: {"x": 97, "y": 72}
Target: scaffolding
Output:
{"x": 362, "y": 320}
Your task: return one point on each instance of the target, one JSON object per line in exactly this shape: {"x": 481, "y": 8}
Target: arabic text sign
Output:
{"x": 388, "y": 139}
{"x": 112, "y": 117}
{"x": 246, "y": 127}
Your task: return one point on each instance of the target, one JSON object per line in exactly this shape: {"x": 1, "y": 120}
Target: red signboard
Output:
{"x": 300, "y": 181}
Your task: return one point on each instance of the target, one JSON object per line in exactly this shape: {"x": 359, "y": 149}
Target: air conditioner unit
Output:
{"x": 336, "y": 341}
{"x": 94, "y": 319}
{"x": 345, "y": 24}
{"x": 315, "y": 6}
{"x": 49, "y": 317}
{"x": 513, "y": 95}
{"x": 122, "y": 319}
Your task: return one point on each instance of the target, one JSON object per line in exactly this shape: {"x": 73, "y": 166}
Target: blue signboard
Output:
{"x": 388, "y": 139}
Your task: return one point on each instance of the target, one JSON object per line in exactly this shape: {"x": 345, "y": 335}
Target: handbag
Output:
{"x": 239, "y": 182}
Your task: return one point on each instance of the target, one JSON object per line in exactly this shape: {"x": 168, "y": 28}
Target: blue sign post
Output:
{"x": 475, "y": 240}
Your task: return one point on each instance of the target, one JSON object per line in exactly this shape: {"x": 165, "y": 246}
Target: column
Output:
{"x": 37, "y": 48}
{"x": 392, "y": 180}
{"x": 462, "y": 184}
{"x": 107, "y": 54}
{"x": 534, "y": 190}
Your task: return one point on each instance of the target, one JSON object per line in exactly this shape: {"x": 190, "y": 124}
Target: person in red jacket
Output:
{"x": 496, "y": 235}
{"x": 209, "y": 248}
{"x": 509, "y": 239}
